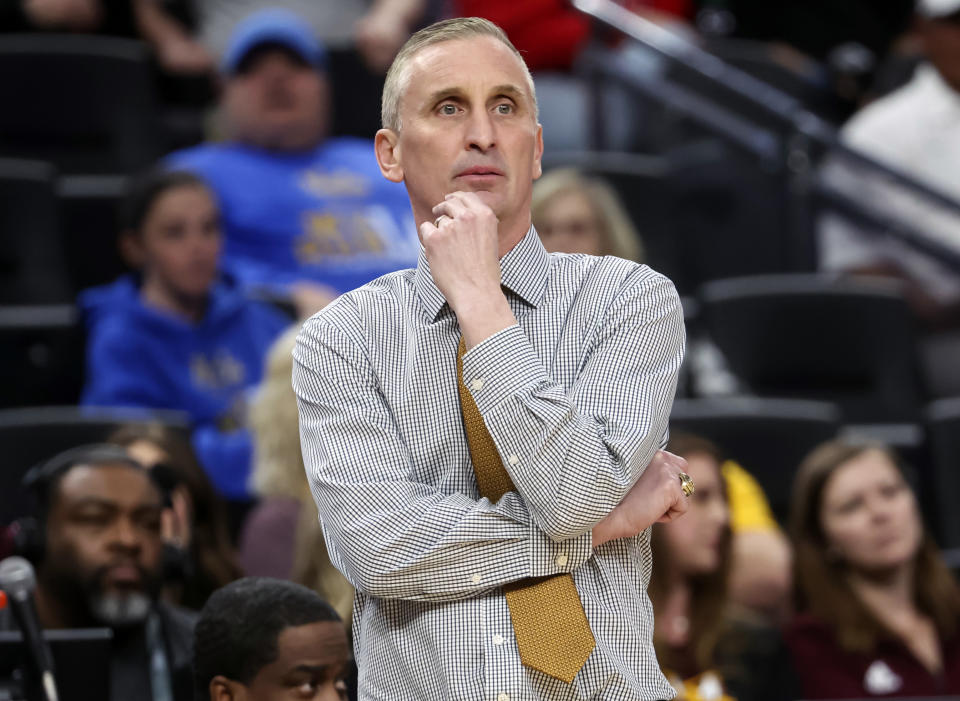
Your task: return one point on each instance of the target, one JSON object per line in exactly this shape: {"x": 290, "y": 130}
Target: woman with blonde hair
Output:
{"x": 879, "y": 612}
{"x": 576, "y": 213}
{"x": 282, "y": 536}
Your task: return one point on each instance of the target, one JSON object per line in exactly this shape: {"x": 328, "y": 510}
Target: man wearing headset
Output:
{"x": 97, "y": 551}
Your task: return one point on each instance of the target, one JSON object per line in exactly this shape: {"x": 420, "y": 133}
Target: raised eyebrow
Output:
{"x": 508, "y": 90}
{"x": 444, "y": 94}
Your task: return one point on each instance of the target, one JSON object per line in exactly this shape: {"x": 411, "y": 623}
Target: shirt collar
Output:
{"x": 523, "y": 271}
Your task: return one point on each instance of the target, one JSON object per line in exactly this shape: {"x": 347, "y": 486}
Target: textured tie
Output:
{"x": 552, "y": 631}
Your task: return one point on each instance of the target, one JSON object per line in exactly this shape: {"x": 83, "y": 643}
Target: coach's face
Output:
{"x": 468, "y": 123}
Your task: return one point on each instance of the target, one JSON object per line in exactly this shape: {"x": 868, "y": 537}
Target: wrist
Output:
{"x": 482, "y": 315}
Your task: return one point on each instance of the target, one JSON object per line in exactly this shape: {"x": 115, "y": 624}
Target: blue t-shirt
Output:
{"x": 326, "y": 215}
{"x": 140, "y": 356}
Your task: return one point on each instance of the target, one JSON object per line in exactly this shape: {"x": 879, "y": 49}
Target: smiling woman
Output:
{"x": 879, "y": 611}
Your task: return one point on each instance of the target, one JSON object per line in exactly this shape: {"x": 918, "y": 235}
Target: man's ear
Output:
{"x": 223, "y": 689}
{"x": 387, "y": 146}
{"x": 538, "y": 154}
{"x": 131, "y": 249}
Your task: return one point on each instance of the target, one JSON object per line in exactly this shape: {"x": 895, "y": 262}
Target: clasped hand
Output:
{"x": 462, "y": 245}
{"x": 655, "y": 498}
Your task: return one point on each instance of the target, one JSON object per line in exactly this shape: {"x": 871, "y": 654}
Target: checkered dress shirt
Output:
{"x": 576, "y": 397}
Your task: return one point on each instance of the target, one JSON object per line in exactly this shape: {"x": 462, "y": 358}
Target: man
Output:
{"x": 262, "y": 639}
{"x": 503, "y": 555}
{"x": 917, "y": 131}
{"x": 303, "y": 214}
{"x": 98, "y": 561}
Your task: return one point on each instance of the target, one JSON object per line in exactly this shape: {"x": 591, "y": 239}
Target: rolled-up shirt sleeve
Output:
{"x": 393, "y": 536}
{"x": 573, "y": 453}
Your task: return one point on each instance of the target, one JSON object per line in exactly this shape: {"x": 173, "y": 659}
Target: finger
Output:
{"x": 452, "y": 207}
{"x": 424, "y": 231}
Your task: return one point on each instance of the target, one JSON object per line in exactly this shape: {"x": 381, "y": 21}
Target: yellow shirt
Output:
{"x": 749, "y": 508}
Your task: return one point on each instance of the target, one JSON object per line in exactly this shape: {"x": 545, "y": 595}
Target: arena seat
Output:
{"x": 822, "y": 337}
{"x": 84, "y": 103}
{"x": 32, "y": 264}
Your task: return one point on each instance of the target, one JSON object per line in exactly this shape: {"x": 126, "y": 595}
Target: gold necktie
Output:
{"x": 552, "y": 631}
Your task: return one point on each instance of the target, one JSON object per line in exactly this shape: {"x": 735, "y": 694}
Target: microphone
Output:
{"x": 18, "y": 580}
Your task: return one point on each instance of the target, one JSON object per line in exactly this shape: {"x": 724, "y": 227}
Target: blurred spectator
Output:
{"x": 262, "y": 639}
{"x": 302, "y": 213}
{"x": 762, "y": 559}
{"x": 575, "y": 213}
{"x": 173, "y": 336}
{"x": 177, "y": 51}
{"x": 707, "y": 649}
{"x": 282, "y": 536}
{"x": 880, "y": 612}
{"x": 113, "y": 17}
{"x": 194, "y": 525}
{"x": 98, "y": 559}
{"x": 915, "y": 130}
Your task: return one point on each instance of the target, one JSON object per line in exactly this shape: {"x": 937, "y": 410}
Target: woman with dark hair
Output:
{"x": 879, "y": 610}
{"x": 176, "y": 335}
{"x": 708, "y": 649}
{"x": 194, "y": 525}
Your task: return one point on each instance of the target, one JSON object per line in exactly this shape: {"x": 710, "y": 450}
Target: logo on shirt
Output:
{"x": 880, "y": 679}
{"x": 218, "y": 371}
{"x": 340, "y": 183}
{"x": 327, "y": 235}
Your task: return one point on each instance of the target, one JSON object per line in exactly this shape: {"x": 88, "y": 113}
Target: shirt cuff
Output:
{"x": 549, "y": 557}
{"x": 500, "y": 366}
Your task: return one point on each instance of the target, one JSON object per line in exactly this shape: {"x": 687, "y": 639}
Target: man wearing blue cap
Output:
{"x": 303, "y": 214}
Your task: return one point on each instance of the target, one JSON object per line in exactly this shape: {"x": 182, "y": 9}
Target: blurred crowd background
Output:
{"x": 183, "y": 181}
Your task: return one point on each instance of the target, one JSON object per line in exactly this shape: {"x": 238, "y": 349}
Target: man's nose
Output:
{"x": 125, "y": 535}
{"x": 481, "y": 132}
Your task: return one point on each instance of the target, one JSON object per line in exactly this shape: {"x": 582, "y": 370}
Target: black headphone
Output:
{"x": 28, "y": 534}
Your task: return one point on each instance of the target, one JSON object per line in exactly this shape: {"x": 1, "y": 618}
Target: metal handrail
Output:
{"x": 804, "y": 130}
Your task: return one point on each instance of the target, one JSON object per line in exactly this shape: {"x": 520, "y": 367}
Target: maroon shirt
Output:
{"x": 826, "y": 671}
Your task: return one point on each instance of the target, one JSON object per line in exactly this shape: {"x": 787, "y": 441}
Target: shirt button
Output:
{"x": 561, "y": 560}
{"x": 475, "y": 579}
{"x": 503, "y": 697}
{"x": 513, "y": 459}
{"x": 498, "y": 640}
{"x": 476, "y": 385}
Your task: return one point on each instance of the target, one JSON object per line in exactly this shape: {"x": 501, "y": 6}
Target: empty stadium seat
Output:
{"x": 85, "y": 103}
{"x": 943, "y": 434}
{"x": 32, "y": 265}
{"x": 768, "y": 437}
{"x": 29, "y": 436}
{"x": 820, "y": 337}
{"x": 89, "y": 206}
{"x": 41, "y": 355}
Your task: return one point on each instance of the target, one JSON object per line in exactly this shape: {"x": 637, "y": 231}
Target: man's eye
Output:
{"x": 505, "y": 108}
{"x": 448, "y": 109}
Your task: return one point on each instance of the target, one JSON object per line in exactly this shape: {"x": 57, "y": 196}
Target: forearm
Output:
{"x": 574, "y": 452}
{"x": 390, "y": 533}
{"x": 155, "y": 25}
{"x": 408, "y": 541}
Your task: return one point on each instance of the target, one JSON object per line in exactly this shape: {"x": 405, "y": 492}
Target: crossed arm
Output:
{"x": 396, "y": 537}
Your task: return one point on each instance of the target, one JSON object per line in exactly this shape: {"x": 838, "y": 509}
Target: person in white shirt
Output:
{"x": 915, "y": 130}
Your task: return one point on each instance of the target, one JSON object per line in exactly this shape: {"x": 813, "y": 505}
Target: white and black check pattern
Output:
{"x": 576, "y": 398}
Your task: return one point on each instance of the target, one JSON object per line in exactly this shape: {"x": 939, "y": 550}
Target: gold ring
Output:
{"x": 436, "y": 222}
{"x": 686, "y": 484}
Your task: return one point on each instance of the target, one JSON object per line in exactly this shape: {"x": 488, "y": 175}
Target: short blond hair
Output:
{"x": 445, "y": 30}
